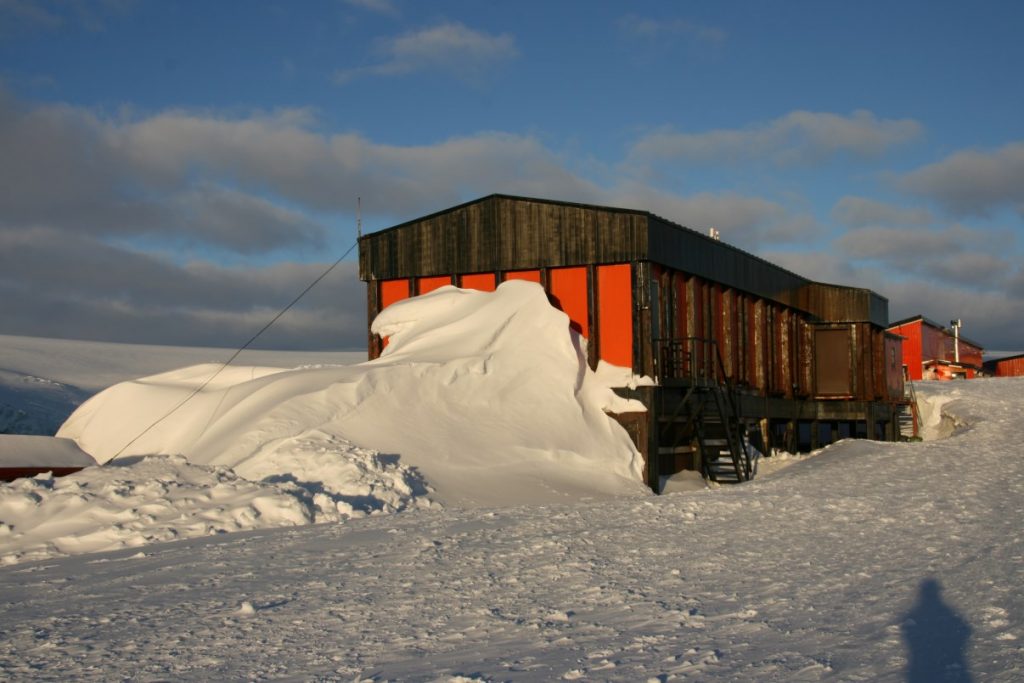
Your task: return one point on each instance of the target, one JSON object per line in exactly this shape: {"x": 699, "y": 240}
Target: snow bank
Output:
{"x": 153, "y": 499}
{"x": 42, "y": 381}
{"x": 480, "y": 399}
{"x": 488, "y": 395}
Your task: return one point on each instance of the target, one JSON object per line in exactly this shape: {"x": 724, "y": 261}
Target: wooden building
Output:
{"x": 741, "y": 349}
{"x": 932, "y": 351}
{"x": 1010, "y": 366}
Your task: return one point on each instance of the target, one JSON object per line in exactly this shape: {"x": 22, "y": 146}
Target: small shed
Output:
{"x": 731, "y": 339}
{"x": 1008, "y": 366}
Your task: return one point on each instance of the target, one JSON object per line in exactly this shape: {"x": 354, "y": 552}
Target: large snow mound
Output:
{"x": 488, "y": 395}
{"x": 480, "y": 399}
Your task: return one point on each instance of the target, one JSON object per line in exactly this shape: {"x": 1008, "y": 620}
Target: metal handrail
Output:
{"x": 690, "y": 358}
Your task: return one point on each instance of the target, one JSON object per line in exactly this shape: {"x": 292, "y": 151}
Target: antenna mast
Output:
{"x": 359, "y": 216}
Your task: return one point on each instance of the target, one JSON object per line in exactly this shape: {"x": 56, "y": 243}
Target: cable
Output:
{"x": 235, "y": 355}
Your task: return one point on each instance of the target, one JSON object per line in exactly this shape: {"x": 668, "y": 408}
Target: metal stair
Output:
{"x": 909, "y": 417}
{"x": 705, "y": 424}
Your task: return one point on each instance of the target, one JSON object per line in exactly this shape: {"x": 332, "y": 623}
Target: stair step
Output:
{"x": 676, "y": 450}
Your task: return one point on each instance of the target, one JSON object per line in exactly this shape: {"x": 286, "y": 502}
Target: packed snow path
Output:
{"x": 824, "y": 571}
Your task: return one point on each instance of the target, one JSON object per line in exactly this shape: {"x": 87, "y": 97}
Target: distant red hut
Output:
{"x": 932, "y": 351}
{"x": 1011, "y": 366}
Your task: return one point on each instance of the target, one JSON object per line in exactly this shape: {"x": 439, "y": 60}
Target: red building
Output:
{"x": 931, "y": 351}
{"x": 1011, "y": 366}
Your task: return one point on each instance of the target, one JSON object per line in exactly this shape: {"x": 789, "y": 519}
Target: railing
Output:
{"x": 698, "y": 360}
{"x": 692, "y": 358}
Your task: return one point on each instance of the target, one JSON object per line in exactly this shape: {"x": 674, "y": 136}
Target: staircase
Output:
{"x": 721, "y": 438}
{"x": 705, "y": 424}
{"x": 909, "y": 417}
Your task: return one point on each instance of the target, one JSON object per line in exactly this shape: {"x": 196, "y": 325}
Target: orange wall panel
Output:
{"x": 392, "y": 291}
{"x": 569, "y": 289}
{"x": 912, "y": 351}
{"x": 429, "y": 284}
{"x": 528, "y": 275}
{"x": 483, "y": 282}
{"x": 615, "y": 314}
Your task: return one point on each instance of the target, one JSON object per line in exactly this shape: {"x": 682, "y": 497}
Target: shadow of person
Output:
{"x": 936, "y": 638}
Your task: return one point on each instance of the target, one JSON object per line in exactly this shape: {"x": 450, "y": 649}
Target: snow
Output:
{"x": 486, "y": 394}
{"x": 856, "y": 564}
{"x": 42, "y": 381}
{"x": 864, "y": 561}
{"x": 480, "y": 399}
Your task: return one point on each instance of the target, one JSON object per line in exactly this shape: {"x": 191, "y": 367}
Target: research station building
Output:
{"x": 741, "y": 350}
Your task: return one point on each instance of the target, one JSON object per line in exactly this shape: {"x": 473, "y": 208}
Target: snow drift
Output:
{"x": 480, "y": 399}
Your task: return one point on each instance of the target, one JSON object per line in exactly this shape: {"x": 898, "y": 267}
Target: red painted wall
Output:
{"x": 392, "y": 291}
{"x": 528, "y": 275}
{"x": 615, "y": 314}
{"x": 569, "y": 290}
{"x": 911, "y": 348}
{"x": 1010, "y": 367}
{"x": 425, "y": 285}
{"x": 483, "y": 282}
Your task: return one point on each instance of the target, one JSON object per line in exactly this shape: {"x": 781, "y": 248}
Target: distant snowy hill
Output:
{"x": 42, "y": 381}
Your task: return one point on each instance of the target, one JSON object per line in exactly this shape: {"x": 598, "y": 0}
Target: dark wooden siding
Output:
{"x": 835, "y": 303}
{"x": 500, "y": 233}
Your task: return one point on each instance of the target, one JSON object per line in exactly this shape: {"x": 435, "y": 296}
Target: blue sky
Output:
{"x": 174, "y": 171}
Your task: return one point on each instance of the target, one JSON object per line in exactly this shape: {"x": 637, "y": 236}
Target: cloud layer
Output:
{"x": 107, "y": 224}
{"x": 449, "y": 47}
{"x": 95, "y": 213}
{"x": 973, "y": 182}
{"x": 799, "y": 137}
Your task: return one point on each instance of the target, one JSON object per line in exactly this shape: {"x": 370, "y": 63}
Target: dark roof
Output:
{"x": 1002, "y": 358}
{"x": 932, "y": 323}
{"x": 595, "y": 207}
{"x": 412, "y": 248}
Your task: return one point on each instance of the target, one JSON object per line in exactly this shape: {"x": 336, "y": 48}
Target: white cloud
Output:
{"x": 799, "y": 137}
{"x": 653, "y": 28}
{"x": 971, "y": 181}
{"x": 860, "y": 211}
{"x": 73, "y": 182}
{"x": 386, "y": 7}
{"x": 951, "y": 255}
{"x": 449, "y": 47}
{"x": 940, "y": 289}
{"x": 746, "y": 222}
{"x": 59, "y": 284}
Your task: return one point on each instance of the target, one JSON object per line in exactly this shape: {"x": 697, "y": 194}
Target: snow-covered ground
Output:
{"x": 867, "y": 561}
{"x": 841, "y": 567}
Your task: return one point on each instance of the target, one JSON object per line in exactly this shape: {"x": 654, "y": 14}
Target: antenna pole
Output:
{"x": 359, "y": 216}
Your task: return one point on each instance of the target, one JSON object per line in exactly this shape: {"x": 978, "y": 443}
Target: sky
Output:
{"x": 177, "y": 172}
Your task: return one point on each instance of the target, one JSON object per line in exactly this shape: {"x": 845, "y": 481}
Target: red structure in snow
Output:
{"x": 1011, "y": 366}
{"x": 932, "y": 351}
